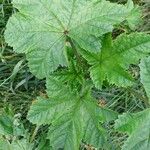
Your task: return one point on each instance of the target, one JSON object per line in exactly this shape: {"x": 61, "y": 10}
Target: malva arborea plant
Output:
{"x": 70, "y": 44}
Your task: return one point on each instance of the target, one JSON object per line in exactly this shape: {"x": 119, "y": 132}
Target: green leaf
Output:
{"x": 81, "y": 122}
{"x": 6, "y": 121}
{"x": 113, "y": 61}
{"x": 44, "y": 143}
{"x": 6, "y": 125}
{"x": 42, "y": 34}
{"x": 67, "y": 131}
{"x": 56, "y": 89}
{"x": 73, "y": 76}
{"x": 22, "y": 144}
{"x": 137, "y": 126}
{"x": 69, "y": 113}
{"x": 60, "y": 98}
{"x": 145, "y": 75}
{"x": 43, "y": 111}
{"x": 135, "y": 16}
{"x": 95, "y": 135}
{"x": 3, "y": 144}
{"x": 10, "y": 124}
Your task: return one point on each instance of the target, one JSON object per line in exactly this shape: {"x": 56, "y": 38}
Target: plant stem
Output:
{"x": 34, "y": 133}
{"x": 74, "y": 49}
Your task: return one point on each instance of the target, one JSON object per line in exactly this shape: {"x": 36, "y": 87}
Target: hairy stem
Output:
{"x": 75, "y": 50}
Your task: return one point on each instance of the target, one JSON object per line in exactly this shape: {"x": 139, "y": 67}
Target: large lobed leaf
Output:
{"x": 73, "y": 118}
{"x": 114, "y": 59}
{"x": 40, "y": 29}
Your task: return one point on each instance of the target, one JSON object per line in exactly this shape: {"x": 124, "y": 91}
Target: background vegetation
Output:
{"x": 19, "y": 88}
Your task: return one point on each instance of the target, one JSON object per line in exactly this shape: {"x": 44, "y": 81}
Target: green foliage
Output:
{"x": 70, "y": 43}
{"x": 61, "y": 19}
{"x": 11, "y": 129}
{"x": 6, "y": 122}
{"x": 16, "y": 145}
{"x": 73, "y": 116}
{"x": 134, "y": 18}
{"x": 137, "y": 126}
{"x": 115, "y": 57}
{"x": 145, "y": 75}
